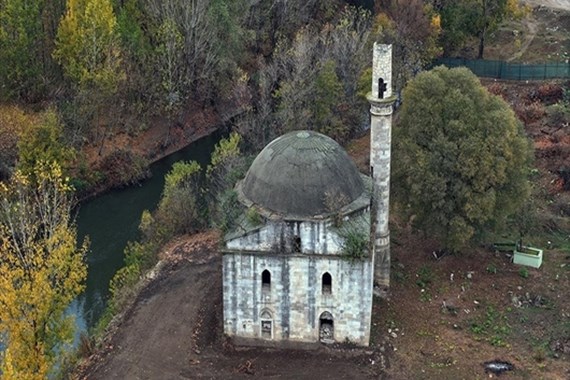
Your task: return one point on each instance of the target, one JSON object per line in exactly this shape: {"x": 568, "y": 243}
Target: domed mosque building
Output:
{"x": 311, "y": 247}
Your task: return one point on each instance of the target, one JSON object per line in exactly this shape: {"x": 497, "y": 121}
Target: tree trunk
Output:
{"x": 484, "y": 31}
{"x": 481, "y": 45}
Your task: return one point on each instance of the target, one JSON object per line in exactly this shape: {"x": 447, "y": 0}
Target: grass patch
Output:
{"x": 492, "y": 327}
{"x": 425, "y": 276}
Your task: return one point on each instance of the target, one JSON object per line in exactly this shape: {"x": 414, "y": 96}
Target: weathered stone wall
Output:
{"x": 380, "y": 154}
{"x": 295, "y": 299}
{"x": 315, "y": 237}
{"x": 382, "y": 68}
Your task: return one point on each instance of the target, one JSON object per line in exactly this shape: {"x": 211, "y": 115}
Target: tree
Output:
{"x": 41, "y": 271}
{"x": 169, "y": 55}
{"x": 42, "y": 140}
{"x": 413, "y": 28}
{"x": 461, "y": 157}
{"x": 13, "y": 121}
{"x": 182, "y": 208}
{"x": 328, "y": 95}
{"x": 26, "y": 43}
{"x": 476, "y": 18}
{"x": 227, "y": 166}
{"x": 318, "y": 84}
{"x": 88, "y": 48}
{"x": 211, "y": 41}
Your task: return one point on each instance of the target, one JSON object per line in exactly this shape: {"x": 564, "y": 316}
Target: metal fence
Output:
{"x": 506, "y": 70}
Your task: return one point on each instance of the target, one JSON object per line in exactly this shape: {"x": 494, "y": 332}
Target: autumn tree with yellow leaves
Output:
{"x": 88, "y": 48}
{"x": 41, "y": 271}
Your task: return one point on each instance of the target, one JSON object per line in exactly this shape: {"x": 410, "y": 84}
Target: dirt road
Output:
{"x": 174, "y": 332}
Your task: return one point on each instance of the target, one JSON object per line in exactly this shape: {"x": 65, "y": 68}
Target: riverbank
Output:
{"x": 126, "y": 157}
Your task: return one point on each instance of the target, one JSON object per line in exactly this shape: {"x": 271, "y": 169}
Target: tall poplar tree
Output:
{"x": 87, "y": 44}
{"x": 88, "y": 48}
{"x": 41, "y": 271}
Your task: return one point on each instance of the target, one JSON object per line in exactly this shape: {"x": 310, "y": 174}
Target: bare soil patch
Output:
{"x": 471, "y": 308}
{"x": 174, "y": 331}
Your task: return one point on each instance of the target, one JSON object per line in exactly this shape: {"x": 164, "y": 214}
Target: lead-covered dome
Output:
{"x": 303, "y": 174}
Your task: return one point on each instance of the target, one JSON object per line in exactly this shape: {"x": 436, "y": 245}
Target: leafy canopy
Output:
{"x": 41, "y": 271}
{"x": 461, "y": 157}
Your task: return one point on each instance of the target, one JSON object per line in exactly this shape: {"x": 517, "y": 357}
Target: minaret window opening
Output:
{"x": 382, "y": 87}
{"x": 265, "y": 281}
{"x": 327, "y": 283}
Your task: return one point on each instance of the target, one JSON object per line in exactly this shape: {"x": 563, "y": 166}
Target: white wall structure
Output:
{"x": 287, "y": 275}
{"x": 292, "y": 273}
{"x": 296, "y": 299}
{"x": 381, "y": 108}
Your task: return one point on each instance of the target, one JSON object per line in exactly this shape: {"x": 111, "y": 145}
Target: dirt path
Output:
{"x": 554, "y": 4}
{"x": 532, "y": 26}
{"x": 174, "y": 332}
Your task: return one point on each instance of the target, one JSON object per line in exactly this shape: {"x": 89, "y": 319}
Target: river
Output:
{"x": 112, "y": 219}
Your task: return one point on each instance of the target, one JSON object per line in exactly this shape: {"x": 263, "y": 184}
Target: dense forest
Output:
{"x": 80, "y": 72}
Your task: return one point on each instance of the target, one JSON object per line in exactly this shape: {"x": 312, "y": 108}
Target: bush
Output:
{"x": 355, "y": 244}
{"x": 498, "y": 89}
{"x": 183, "y": 207}
{"x": 229, "y": 211}
{"x": 124, "y": 168}
{"x": 139, "y": 257}
{"x": 558, "y": 114}
{"x": 523, "y": 272}
{"x": 549, "y": 93}
{"x": 529, "y": 113}
{"x": 253, "y": 216}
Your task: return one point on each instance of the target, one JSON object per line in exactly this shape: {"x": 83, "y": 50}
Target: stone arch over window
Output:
{"x": 326, "y": 283}
{"x": 266, "y": 324}
{"x": 326, "y": 327}
{"x": 265, "y": 280}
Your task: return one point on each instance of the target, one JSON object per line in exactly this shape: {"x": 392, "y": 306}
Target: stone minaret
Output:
{"x": 381, "y": 107}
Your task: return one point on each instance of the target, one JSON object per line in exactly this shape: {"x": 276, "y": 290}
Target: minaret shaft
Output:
{"x": 381, "y": 108}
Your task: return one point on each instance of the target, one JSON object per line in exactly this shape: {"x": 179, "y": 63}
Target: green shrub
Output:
{"x": 228, "y": 211}
{"x": 182, "y": 208}
{"x": 425, "y": 277}
{"x": 355, "y": 244}
{"x": 253, "y": 216}
{"x": 491, "y": 268}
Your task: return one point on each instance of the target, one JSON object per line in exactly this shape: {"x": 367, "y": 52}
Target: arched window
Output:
{"x": 265, "y": 280}
{"x": 327, "y": 283}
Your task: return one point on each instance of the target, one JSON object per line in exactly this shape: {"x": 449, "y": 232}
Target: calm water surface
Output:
{"x": 112, "y": 219}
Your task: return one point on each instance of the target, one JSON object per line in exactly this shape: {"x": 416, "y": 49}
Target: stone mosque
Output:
{"x": 286, "y": 272}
